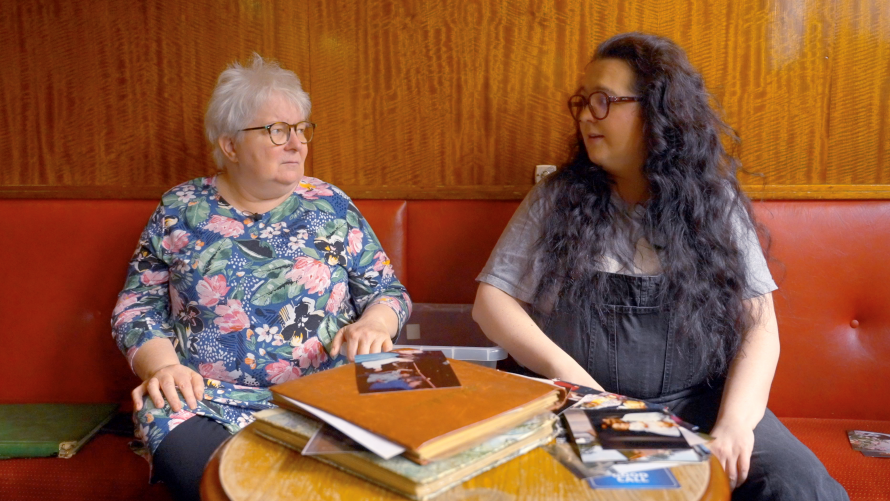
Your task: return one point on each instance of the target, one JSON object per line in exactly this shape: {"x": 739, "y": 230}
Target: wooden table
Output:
{"x": 249, "y": 467}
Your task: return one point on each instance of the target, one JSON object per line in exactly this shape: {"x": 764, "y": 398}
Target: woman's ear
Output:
{"x": 227, "y": 145}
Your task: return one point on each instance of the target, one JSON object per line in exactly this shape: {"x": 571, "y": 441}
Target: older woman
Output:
{"x": 247, "y": 279}
{"x": 636, "y": 268}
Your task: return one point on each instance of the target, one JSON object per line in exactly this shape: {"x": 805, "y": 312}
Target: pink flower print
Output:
{"x": 311, "y": 273}
{"x": 225, "y": 226}
{"x": 124, "y": 301}
{"x": 337, "y": 296}
{"x": 175, "y": 241}
{"x": 310, "y": 353}
{"x": 282, "y": 371}
{"x": 216, "y": 370}
{"x": 231, "y": 316}
{"x": 211, "y": 290}
{"x": 130, "y": 315}
{"x": 311, "y": 188}
{"x": 355, "y": 241}
{"x": 300, "y": 241}
{"x": 178, "y": 418}
{"x": 185, "y": 195}
{"x": 266, "y": 333}
{"x": 408, "y": 302}
{"x": 382, "y": 265}
{"x": 391, "y": 302}
{"x": 154, "y": 277}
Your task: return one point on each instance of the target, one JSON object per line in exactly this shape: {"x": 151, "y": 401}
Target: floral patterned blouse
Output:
{"x": 249, "y": 300}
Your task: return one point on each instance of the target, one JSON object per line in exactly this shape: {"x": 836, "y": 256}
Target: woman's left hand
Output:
{"x": 733, "y": 445}
{"x": 371, "y": 333}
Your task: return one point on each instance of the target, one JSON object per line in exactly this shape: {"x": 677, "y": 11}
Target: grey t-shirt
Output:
{"x": 628, "y": 252}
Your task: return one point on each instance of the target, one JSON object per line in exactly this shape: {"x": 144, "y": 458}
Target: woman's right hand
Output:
{"x": 165, "y": 381}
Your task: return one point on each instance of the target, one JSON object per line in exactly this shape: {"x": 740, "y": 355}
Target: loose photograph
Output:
{"x": 404, "y": 369}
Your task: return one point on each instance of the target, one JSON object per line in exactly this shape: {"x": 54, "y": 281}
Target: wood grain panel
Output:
{"x": 421, "y": 99}
{"x": 113, "y": 92}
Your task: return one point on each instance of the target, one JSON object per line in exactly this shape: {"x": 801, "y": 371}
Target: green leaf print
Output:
{"x": 351, "y": 219}
{"x": 171, "y": 200}
{"x": 273, "y": 291}
{"x": 215, "y": 257}
{"x": 367, "y": 256}
{"x": 132, "y": 282}
{"x": 132, "y": 336}
{"x": 249, "y": 396}
{"x": 294, "y": 289}
{"x": 327, "y": 330}
{"x": 196, "y": 214}
{"x": 284, "y": 351}
{"x": 371, "y": 246}
{"x": 309, "y": 251}
{"x": 339, "y": 228}
{"x": 225, "y": 212}
{"x": 256, "y": 250}
{"x": 324, "y": 205}
{"x": 238, "y": 294}
{"x": 323, "y": 300}
{"x": 285, "y": 209}
{"x": 338, "y": 275}
{"x": 273, "y": 269}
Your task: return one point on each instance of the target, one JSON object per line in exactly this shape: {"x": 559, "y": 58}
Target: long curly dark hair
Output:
{"x": 693, "y": 192}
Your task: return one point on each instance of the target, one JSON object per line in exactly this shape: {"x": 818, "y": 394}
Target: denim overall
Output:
{"x": 634, "y": 352}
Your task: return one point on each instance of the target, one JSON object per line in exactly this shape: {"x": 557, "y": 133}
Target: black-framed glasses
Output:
{"x": 279, "y": 132}
{"x": 597, "y": 102}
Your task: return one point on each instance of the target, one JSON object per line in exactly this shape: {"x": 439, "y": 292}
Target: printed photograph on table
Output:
{"x": 625, "y": 436}
{"x": 609, "y": 401}
{"x": 870, "y": 443}
{"x": 404, "y": 369}
{"x": 636, "y": 430}
{"x": 650, "y": 479}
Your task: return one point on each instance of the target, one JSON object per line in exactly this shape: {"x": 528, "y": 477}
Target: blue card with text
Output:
{"x": 650, "y": 479}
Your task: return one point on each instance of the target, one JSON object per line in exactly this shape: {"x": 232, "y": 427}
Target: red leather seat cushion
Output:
{"x": 104, "y": 469}
{"x": 865, "y": 478}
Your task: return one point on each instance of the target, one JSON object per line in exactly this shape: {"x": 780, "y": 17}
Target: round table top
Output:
{"x": 249, "y": 467}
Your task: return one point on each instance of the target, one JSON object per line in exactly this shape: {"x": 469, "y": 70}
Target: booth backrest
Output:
{"x": 61, "y": 272}
{"x": 61, "y": 269}
{"x": 833, "y": 305}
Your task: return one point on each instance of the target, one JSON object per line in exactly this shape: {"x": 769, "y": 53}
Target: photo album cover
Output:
{"x": 404, "y": 369}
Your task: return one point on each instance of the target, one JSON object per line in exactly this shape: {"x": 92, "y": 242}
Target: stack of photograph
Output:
{"x": 412, "y": 421}
{"x": 622, "y": 443}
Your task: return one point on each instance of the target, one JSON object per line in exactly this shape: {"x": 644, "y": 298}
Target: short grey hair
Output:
{"x": 240, "y": 93}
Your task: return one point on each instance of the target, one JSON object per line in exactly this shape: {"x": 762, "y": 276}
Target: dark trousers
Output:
{"x": 633, "y": 349}
{"x": 784, "y": 468}
{"x": 180, "y": 459}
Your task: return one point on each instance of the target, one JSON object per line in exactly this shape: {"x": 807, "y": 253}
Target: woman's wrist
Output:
{"x": 153, "y": 356}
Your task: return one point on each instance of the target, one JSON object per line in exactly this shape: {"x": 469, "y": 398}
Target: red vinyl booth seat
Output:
{"x": 61, "y": 273}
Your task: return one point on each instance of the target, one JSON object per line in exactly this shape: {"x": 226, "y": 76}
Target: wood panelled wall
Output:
{"x": 428, "y": 99}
